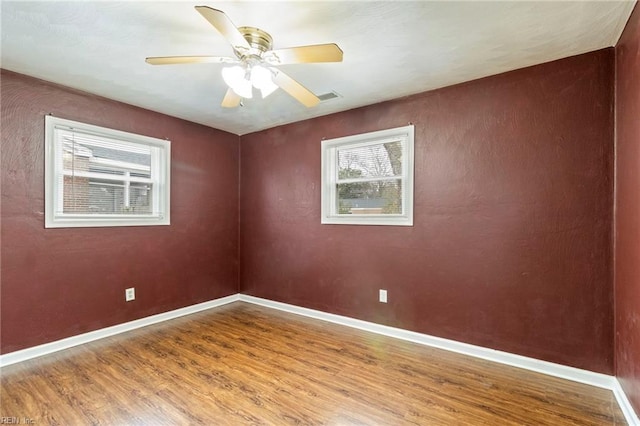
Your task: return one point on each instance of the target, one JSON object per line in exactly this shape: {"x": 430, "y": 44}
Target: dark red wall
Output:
{"x": 511, "y": 246}
{"x": 61, "y": 282}
{"x": 627, "y": 216}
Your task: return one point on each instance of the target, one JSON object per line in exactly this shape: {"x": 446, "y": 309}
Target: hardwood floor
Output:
{"x": 243, "y": 364}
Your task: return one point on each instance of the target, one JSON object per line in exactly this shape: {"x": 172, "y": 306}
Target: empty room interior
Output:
{"x": 337, "y": 213}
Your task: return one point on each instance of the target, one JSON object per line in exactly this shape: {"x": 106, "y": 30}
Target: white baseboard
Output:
{"x": 549, "y": 368}
{"x": 58, "y": 345}
{"x": 625, "y": 405}
{"x": 532, "y": 364}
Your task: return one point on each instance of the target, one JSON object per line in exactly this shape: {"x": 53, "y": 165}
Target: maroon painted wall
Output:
{"x": 627, "y": 211}
{"x": 511, "y": 246}
{"x": 62, "y": 282}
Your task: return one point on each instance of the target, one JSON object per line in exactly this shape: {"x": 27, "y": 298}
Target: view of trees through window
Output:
{"x": 369, "y": 179}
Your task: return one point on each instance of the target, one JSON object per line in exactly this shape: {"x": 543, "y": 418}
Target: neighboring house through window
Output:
{"x": 102, "y": 177}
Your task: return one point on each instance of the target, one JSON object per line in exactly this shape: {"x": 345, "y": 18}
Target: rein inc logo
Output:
{"x": 16, "y": 421}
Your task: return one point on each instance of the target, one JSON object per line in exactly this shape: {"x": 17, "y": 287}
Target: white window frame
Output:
{"x": 329, "y": 159}
{"x": 160, "y": 178}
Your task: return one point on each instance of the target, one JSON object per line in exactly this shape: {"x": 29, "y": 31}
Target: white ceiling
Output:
{"x": 391, "y": 49}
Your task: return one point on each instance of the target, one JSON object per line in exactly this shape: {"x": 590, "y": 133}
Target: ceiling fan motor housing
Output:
{"x": 260, "y": 42}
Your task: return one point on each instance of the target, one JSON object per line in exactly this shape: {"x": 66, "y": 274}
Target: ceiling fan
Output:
{"x": 255, "y": 63}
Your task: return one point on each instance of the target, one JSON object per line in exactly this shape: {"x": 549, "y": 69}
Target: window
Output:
{"x": 102, "y": 177}
{"x": 367, "y": 179}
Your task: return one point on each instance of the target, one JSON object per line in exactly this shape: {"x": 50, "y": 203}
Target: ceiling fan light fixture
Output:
{"x": 235, "y": 77}
{"x": 262, "y": 79}
{"x": 260, "y": 76}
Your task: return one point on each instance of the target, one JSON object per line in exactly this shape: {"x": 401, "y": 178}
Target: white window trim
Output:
{"x": 53, "y": 191}
{"x": 328, "y": 185}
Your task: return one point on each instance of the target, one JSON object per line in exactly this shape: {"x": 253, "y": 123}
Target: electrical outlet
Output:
{"x": 383, "y": 296}
{"x": 130, "y": 294}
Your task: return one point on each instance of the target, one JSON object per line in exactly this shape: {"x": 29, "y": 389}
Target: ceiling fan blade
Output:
{"x": 171, "y": 60}
{"x": 295, "y": 89}
{"x": 223, "y": 24}
{"x": 231, "y": 99}
{"x": 305, "y": 54}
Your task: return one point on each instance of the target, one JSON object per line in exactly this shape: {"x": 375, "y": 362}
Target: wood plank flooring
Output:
{"x": 243, "y": 364}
